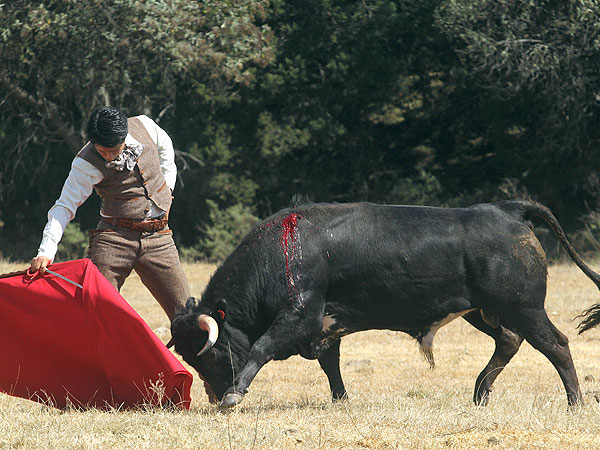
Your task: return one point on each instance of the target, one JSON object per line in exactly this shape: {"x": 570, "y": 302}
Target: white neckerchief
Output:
{"x": 127, "y": 159}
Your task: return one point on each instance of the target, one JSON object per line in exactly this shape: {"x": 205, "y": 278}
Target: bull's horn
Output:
{"x": 208, "y": 324}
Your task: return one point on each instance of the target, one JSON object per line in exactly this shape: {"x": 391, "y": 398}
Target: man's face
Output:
{"x": 110, "y": 153}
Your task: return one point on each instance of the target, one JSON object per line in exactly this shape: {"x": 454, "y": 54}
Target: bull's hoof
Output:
{"x": 231, "y": 399}
{"x": 339, "y": 396}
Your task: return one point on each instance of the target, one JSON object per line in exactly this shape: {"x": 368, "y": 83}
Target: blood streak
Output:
{"x": 290, "y": 244}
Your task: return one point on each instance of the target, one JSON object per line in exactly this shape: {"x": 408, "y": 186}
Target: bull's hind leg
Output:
{"x": 330, "y": 363}
{"x": 507, "y": 345}
{"x": 545, "y": 337}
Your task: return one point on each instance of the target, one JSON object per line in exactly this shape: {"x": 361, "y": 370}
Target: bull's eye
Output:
{"x": 210, "y": 357}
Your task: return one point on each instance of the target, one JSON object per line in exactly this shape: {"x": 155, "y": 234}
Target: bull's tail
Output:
{"x": 591, "y": 316}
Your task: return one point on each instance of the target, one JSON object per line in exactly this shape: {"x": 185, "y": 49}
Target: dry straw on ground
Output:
{"x": 396, "y": 401}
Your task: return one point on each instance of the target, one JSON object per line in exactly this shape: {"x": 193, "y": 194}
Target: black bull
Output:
{"x": 309, "y": 275}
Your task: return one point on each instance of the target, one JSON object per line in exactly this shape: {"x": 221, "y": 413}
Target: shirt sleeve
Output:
{"x": 166, "y": 153}
{"x": 76, "y": 190}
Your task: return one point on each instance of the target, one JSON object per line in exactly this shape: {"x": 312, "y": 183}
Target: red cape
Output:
{"x": 63, "y": 345}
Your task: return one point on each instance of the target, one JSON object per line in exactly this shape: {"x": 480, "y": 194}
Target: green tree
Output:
{"x": 533, "y": 70}
{"x": 351, "y": 107}
{"x": 463, "y": 100}
{"x": 440, "y": 103}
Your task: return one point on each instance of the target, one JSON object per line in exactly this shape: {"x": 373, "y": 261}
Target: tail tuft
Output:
{"x": 591, "y": 318}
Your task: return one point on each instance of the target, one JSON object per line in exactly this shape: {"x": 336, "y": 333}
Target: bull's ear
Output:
{"x": 191, "y": 303}
{"x": 220, "y": 311}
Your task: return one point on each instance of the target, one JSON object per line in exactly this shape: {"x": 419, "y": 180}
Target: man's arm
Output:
{"x": 166, "y": 153}
{"x": 76, "y": 190}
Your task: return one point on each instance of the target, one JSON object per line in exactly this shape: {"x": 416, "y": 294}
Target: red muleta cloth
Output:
{"x": 66, "y": 346}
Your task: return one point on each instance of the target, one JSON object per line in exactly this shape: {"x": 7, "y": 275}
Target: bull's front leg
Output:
{"x": 290, "y": 327}
{"x": 330, "y": 363}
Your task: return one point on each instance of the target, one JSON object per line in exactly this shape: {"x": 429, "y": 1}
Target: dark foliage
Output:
{"x": 440, "y": 103}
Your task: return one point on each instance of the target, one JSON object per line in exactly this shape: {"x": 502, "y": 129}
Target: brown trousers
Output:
{"x": 118, "y": 251}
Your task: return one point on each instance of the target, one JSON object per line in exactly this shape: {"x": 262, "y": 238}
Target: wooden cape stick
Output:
{"x": 13, "y": 274}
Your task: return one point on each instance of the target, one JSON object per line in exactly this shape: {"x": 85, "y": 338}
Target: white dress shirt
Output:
{"x": 82, "y": 178}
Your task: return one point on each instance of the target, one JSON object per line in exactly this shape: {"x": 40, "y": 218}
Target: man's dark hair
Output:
{"x": 107, "y": 126}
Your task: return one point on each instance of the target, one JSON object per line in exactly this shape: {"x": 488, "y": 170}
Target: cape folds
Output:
{"x": 67, "y": 346}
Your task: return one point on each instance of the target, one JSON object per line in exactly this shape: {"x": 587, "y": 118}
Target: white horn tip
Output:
{"x": 208, "y": 324}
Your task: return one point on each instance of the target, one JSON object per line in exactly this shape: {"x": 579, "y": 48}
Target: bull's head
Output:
{"x": 208, "y": 343}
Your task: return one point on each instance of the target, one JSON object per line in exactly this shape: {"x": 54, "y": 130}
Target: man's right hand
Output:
{"x": 39, "y": 263}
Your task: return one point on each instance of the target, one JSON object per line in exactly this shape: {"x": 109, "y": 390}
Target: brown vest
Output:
{"x": 128, "y": 194}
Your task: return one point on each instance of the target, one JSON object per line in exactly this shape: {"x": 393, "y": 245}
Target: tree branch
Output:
{"x": 46, "y": 109}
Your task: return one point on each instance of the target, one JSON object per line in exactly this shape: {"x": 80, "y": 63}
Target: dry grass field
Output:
{"x": 396, "y": 401}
